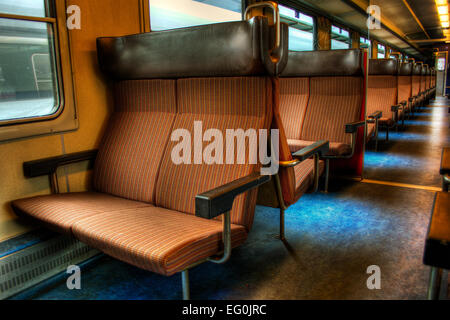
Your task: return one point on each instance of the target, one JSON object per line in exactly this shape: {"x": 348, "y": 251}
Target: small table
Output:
{"x": 437, "y": 245}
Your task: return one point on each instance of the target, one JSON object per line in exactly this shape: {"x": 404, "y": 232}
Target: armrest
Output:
{"x": 220, "y": 200}
{"x": 395, "y": 108}
{"x": 376, "y": 115}
{"x": 320, "y": 147}
{"x": 43, "y": 167}
{"x": 353, "y": 127}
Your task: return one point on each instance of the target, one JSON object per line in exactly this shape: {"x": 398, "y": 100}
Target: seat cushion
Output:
{"x": 155, "y": 239}
{"x": 386, "y": 122}
{"x": 58, "y": 212}
{"x": 304, "y": 176}
{"x": 336, "y": 148}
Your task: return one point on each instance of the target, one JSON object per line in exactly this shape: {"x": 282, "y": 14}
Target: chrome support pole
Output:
{"x": 185, "y": 284}
{"x": 226, "y": 238}
{"x": 434, "y": 285}
{"x": 327, "y": 174}
{"x": 376, "y": 134}
{"x": 282, "y": 206}
{"x": 316, "y": 172}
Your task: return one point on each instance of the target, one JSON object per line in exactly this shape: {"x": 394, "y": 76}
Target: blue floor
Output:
{"x": 331, "y": 239}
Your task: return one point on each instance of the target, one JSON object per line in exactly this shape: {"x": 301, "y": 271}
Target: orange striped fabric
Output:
{"x": 220, "y": 103}
{"x": 294, "y": 95}
{"x": 155, "y": 239}
{"x": 60, "y": 211}
{"x": 404, "y": 88}
{"x": 304, "y": 176}
{"x": 382, "y": 95}
{"x": 333, "y": 102}
{"x": 422, "y": 83}
{"x": 132, "y": 148}
{"x": 336, "y": 148}
{"x": 415, "y": 85}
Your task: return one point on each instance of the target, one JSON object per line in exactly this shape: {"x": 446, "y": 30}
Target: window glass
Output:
{"x": 340, "y": 38}
{"x": 381, "y": 51}
{"x": 34, "y": 8}
{"x": 301, "y": 29}
{"x": 28, "y": 82}
{"x": 173, "y": 14}
{"x": 364, "y": 43}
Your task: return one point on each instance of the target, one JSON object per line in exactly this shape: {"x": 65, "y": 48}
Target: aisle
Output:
{"x": 413, "y": 155}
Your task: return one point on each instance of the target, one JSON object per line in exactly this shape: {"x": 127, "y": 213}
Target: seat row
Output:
{"x": 168, "y": 192}
{"x": 395, "y": 91}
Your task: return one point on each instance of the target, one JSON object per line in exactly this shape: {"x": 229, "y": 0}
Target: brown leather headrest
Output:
{"x": 325, "y": 63}
{"x": 406, "y": 69}
{"x": 383, "y": 67}
{"x": 240, "y": 48}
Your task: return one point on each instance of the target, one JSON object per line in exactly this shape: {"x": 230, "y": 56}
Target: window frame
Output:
{"x": 65, "y": 118}
{"x": 341, "y": 28}
{"x": 293, "y": 22}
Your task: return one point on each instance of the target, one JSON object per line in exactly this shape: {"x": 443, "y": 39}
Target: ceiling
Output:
{"x": 410, "y": 25}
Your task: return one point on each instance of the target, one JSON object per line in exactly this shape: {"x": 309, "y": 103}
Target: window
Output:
{"x": 381, "y": 51}
{"x": 185, "y": 13}
{"x": 29, "y": 86}
{"x": 31, "y": 77}
{"x": 364, "y": 43}
{"x": 340, "y": 38}
{"x": 301, "y": 29}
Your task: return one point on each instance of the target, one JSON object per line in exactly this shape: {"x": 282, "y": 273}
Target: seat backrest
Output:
{"x": 336, "y": 91}
{"x": 417, "y": 72}
{"x": 133, "y": 145}
{"x": 294, "y": 97}
{"x": 320, "y": 92}
{"x": 382, "y": 86}
{"x": 423, "y": 74}
{"x": 405, "y": 82}
{"x": 227, "y": 85}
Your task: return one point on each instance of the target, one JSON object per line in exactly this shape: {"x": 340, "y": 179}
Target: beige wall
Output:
{"x": 98, "y": 18}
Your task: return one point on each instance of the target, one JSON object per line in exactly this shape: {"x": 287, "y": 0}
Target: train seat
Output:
{"x": 416, "y": 97}
{"x": 150, "y": 210}
{"x": 335, "y": 102}
{"x": 382, "y": 106}
{"x": 405, "y": 88}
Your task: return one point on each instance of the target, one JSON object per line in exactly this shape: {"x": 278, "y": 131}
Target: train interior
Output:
{"x": 347, "y": 99}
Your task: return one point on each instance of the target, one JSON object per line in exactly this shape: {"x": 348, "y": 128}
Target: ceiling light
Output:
{"x": 445, "y": 24}
{"x": 443, "y": 9}
{"x": 443, "y": 17}
{"x": 441, "y": 2}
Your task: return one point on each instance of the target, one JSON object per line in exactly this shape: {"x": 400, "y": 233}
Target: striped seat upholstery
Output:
{"x": 58, "y": 212}
{"x": 128, "y": 160}
{"x": 224, "y": 104}
{"x": 168, "y": 238}
{"x": 333, "y": 102}
{"x": 404, "y": 89}
{"x": 155, "y": 239}
{"x": 381, "y": 96}
{"x": 129, "y": 157}
{"x": 382, "y": 89}
{"x": 304, "y": 176}
{"x": 294, "y": 96}
{"x": 336, "y": 148}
